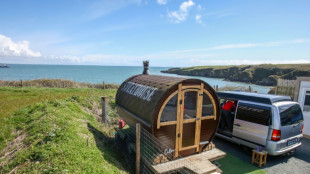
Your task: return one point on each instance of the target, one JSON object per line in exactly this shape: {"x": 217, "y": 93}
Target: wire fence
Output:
{"x": 154, "y": 155}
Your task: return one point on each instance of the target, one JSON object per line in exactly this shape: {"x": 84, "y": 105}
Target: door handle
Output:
{"x": 237, "y": 125}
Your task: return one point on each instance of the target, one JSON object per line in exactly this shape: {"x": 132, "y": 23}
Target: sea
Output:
{"x": 101, "y": 74}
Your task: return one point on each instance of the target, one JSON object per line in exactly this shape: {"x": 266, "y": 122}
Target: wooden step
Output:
{"x": 198, "y": 163}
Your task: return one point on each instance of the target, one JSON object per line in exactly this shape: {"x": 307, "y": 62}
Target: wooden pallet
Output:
{"x": 199, "y": 163}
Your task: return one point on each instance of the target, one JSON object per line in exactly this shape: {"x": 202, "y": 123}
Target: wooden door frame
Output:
{"x": 180, "y": 110}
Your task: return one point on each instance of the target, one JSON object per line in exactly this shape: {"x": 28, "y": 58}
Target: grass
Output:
{"x": 233, "y": 165}
{"x": 55, "y": 132}
{"x": 12, "y": 98}
{"x": 56, "y": 83}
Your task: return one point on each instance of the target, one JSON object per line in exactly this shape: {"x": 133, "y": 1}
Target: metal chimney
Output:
{"x": 146, "y": 67}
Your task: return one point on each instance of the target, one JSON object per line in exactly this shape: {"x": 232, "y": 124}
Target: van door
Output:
{"x": 252, "y": 122}
{"x": 291, "y": 120}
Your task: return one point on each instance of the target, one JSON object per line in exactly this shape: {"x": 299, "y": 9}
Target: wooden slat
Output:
{"x": 189, "y": 120}
{"x": 176, "y": 154}
{"x": 212, "y": 100}
{"x": 191, "y": 87}
{"x": 198, "y": 163}
{"x": 202, "y": 167}
{"x": 168, "y": 123}
{"x": 187, "y": 147}
{"x": 181, "y": 120}
{"x": 208, "y": 117}
{"x": 189, "y": 90}
{"x": 199, "y": 113}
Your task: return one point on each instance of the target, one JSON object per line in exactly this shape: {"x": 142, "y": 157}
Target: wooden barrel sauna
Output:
{"x": 182, "y": 113}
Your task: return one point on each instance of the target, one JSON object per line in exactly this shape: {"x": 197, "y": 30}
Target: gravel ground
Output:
{"x": 298, "y": 163}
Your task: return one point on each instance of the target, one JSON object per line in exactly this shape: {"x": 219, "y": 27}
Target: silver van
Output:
{"x": 269, "y": 121}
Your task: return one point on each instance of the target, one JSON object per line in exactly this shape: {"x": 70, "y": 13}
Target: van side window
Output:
{"x": 254, "y": 113}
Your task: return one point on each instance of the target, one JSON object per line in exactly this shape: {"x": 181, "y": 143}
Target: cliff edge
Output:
{"x": 264, "y": 74}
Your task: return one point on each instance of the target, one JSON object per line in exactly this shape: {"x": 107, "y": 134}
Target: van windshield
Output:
{"x": 290, "y": 114}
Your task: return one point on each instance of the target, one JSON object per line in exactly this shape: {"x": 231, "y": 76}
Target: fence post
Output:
{"x": 103, "y": 85}
{"x": 21, "y": 83}
{"x": 138, "y": 131}
{"x": 104, "y": 108}
{"x": 216, "y": 87}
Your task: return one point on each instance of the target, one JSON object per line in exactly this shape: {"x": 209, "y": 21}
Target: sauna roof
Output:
{"x": 143, "y": 95}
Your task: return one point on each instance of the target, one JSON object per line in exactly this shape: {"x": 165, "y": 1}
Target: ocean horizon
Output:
{"x": 98, "y": 74}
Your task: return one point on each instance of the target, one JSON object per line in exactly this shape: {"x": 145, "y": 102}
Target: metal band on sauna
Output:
{"x": 138, "y": 90}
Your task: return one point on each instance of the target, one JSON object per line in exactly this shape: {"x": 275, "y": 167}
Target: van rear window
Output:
{"x": 290, "y": 114}
{"x": 254, "y": 113}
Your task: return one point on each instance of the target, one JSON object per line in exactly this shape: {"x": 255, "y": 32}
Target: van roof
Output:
{"x": 253, "y": 97}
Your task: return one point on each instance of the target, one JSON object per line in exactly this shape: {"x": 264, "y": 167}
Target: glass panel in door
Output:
{"x": 207, "y": 106}
{"x": 190, "y": 105}
{"x": 189, "y": 112}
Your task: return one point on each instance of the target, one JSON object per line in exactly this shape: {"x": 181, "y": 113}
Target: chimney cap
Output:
{"x": 146, "y": 67}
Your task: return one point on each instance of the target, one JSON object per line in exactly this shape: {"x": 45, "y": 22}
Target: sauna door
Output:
{"x": 182, "y": 112}
{"x": 189, "y": 119}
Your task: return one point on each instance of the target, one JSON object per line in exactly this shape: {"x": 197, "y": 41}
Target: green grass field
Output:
{"x": 46, "y": 130}
{"x": 55, "y": 130}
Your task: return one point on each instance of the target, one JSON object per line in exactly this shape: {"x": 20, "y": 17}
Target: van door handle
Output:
{"x": 237, "y": 125}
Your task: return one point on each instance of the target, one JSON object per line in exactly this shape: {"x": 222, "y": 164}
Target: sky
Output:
{"x": 168, "y": 33}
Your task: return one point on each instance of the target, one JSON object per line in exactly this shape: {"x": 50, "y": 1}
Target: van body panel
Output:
{"x": 248, "y": 128}
{"x": 281, "y": 147}
{"x": 252, "y": 132}
{"x": 276, "y": 122}
{"x": 290, "y": 131}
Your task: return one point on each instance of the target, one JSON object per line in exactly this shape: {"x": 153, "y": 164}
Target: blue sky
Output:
{"x": 166, "y": 32}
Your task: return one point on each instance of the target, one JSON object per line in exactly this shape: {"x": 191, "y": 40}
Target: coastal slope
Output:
{"x": 56, "y": 130}
{"x": 264, "y": 74}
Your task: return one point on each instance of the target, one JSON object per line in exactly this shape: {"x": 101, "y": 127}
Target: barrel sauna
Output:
{"x": 182, "y": 113}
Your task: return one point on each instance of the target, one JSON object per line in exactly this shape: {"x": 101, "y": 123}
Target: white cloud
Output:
{"x": 198, "y": 19}
{"x": 9, "y": 48}
{"x": 245, "y": 45}
{"x": 231, "y": 46}
{"x": 181, "y": 14}
{"x": 219, "y": 14}
{"x": 199, "y": 7}
{"x": 103, "y": 7}
{"x": 162, "y": 2}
